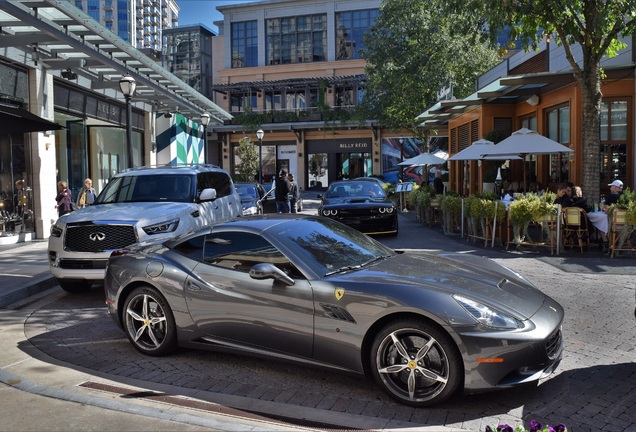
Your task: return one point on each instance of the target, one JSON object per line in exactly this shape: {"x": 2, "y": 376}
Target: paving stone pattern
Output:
{"x": 594, "y": 389}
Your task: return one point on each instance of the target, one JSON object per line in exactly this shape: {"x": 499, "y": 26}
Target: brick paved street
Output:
{"x": 593, "y": 389}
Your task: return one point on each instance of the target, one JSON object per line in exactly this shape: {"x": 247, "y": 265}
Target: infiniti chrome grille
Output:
{"x": 98, "y": 238}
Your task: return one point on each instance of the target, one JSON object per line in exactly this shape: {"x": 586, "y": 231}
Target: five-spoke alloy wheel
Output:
{"x": 149, "y": 323}
{"x": 415, "y": 362}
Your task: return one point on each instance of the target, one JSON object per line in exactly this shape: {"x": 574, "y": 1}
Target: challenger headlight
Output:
{"x": 56, "y": 231}
{"x": 162, "y": 228}
{"x": 386, "y": 209}
{"x": 486, "y": 315}
{"x": 329, "y": 212}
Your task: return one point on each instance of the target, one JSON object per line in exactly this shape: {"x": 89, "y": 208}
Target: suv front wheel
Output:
{"x": 73, "y": 286}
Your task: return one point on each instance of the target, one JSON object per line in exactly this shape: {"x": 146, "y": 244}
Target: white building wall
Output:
{"x": 43, "y": 157}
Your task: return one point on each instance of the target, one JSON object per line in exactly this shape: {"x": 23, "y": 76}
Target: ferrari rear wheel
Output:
{"x": 415, "y": 362}
{"x": 149, "y": 323}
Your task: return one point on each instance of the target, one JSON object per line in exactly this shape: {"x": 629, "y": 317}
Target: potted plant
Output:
{"x": 451, "y": 205}
{"x": 520, "y": 216}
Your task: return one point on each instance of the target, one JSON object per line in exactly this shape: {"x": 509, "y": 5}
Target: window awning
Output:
{"x": 14, "y": 119}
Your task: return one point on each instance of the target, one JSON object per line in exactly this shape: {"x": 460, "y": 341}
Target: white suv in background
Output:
{"x": 137, "y": 205}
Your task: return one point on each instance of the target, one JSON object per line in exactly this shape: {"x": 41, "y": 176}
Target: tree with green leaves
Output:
{"x": 412, "y": 51}
{"x": 247, "y": 168}
{"x": 593, "y": 26}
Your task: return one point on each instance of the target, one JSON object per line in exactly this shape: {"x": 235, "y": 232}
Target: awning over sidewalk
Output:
{"x": 14, "y": 119}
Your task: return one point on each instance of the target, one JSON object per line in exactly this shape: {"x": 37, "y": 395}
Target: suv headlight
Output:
{"x": 252, "y": 210}
{"x": 162, "y": 228}
{"x": 56, "y": 231}
{"x": 486, "y": 315}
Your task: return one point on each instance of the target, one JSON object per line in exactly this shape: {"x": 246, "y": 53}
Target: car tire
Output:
{"x": 149, "y": 323}
{"x": 74, "y": 286}
{"x": 418, "y": 382}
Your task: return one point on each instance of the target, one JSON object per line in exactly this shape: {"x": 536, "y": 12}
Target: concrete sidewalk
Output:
{"x": 24, "y": 271}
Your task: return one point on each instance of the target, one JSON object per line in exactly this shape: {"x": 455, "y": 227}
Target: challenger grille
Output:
{"x": 553, "y": 344}
{"x": 98, "y": 238}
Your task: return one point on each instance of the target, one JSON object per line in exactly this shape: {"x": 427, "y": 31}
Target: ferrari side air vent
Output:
{"x": 336, "y": 312}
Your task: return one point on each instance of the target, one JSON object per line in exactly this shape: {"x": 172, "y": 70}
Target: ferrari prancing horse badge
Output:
{"x": 339, "y": 293}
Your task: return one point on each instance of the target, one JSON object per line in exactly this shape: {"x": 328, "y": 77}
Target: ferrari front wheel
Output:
{"x": 149, "y": 323}
{"x": 415, "y": 362}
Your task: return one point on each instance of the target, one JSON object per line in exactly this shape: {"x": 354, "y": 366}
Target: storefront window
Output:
{"x": 558, "y": 122}
{"x": 614, "y": 115}
{"x": 352, "y": 165}
{"x": 318, "y": 172}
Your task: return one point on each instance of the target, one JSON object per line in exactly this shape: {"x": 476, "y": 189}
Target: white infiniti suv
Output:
{"x": 137, "y": 205}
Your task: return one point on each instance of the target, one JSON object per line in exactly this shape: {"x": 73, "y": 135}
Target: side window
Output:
{"x": 217, "y": 180}
{"x": 192, "y": 248}
{"x": 240, "y": 251}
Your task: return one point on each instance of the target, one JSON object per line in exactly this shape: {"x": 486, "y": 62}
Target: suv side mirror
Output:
{"x": 207, "y": 194}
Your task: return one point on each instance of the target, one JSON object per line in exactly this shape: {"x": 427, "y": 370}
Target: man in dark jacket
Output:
{"x": 282, "y": 192}
{"x": 293, "y": 194}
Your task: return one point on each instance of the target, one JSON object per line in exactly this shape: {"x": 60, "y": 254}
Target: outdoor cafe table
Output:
{"x": 599, "y": 220}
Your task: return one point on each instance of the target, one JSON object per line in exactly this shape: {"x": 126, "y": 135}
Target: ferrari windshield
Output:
{"x": 328, "y": 246}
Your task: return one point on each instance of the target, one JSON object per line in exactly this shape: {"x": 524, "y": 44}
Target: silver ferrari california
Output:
{"x": 310, "y": 289}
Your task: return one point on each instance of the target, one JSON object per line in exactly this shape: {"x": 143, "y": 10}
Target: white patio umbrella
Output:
{"x": 423, "y": 159}
{"x": 477, "y": 150}
{"x": 526, "y": 142}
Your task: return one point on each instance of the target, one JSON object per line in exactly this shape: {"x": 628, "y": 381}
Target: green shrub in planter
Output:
{"x": 451, "y": 206}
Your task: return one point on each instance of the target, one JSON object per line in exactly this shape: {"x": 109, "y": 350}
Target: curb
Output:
{"x": 38, "y": 285}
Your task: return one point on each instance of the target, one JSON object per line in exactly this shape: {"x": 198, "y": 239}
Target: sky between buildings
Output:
{"x": 203, "y": 11}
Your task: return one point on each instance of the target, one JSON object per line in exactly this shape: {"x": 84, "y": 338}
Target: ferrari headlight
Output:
{"x": 486, "y": 315}
{"x": 162, "y": 228}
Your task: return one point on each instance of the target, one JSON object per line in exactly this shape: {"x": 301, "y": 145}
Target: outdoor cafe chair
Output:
{"x": 575, "y": 228}
{"x": 617, "y": 225}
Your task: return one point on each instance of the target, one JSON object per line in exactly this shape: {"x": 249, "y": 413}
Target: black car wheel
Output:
{"x": 416, "y": 363}
{"x": 149, "y": 323}
{"x": 74, "y": 286}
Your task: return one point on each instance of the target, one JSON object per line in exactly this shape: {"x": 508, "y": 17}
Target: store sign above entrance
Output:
{"x": 359, "y": 145}
{"x": 339, "y": 146}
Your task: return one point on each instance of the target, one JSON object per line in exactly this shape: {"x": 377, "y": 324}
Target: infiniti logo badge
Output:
{"x": 98, "y": 236}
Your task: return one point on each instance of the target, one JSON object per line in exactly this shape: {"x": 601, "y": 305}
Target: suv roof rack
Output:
{"x": 180, "y": 165}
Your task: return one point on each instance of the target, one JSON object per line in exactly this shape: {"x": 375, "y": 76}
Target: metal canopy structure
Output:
{"x": 509, "y": 90}
{"x": 62, "y": 38}
{"x": 506, "y": 90}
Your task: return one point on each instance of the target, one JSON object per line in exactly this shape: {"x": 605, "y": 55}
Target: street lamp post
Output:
{"x": 205, "y": 121}
{"x": 259, "y": 135}
{"x": 127, "y": 85}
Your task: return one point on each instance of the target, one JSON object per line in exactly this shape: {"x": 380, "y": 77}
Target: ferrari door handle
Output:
{"x": 193, "y": 287}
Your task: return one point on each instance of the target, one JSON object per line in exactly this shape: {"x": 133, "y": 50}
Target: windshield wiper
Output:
{"x": 356, "y": 266}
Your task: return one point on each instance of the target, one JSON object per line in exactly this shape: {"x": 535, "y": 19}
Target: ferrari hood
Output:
{"x": 474, "y": 277}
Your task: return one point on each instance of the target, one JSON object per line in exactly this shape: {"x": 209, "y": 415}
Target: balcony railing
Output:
{"x": 332, "y": 115}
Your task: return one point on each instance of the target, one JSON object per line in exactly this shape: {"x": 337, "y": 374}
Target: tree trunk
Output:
{"x": 589, "y": 83}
